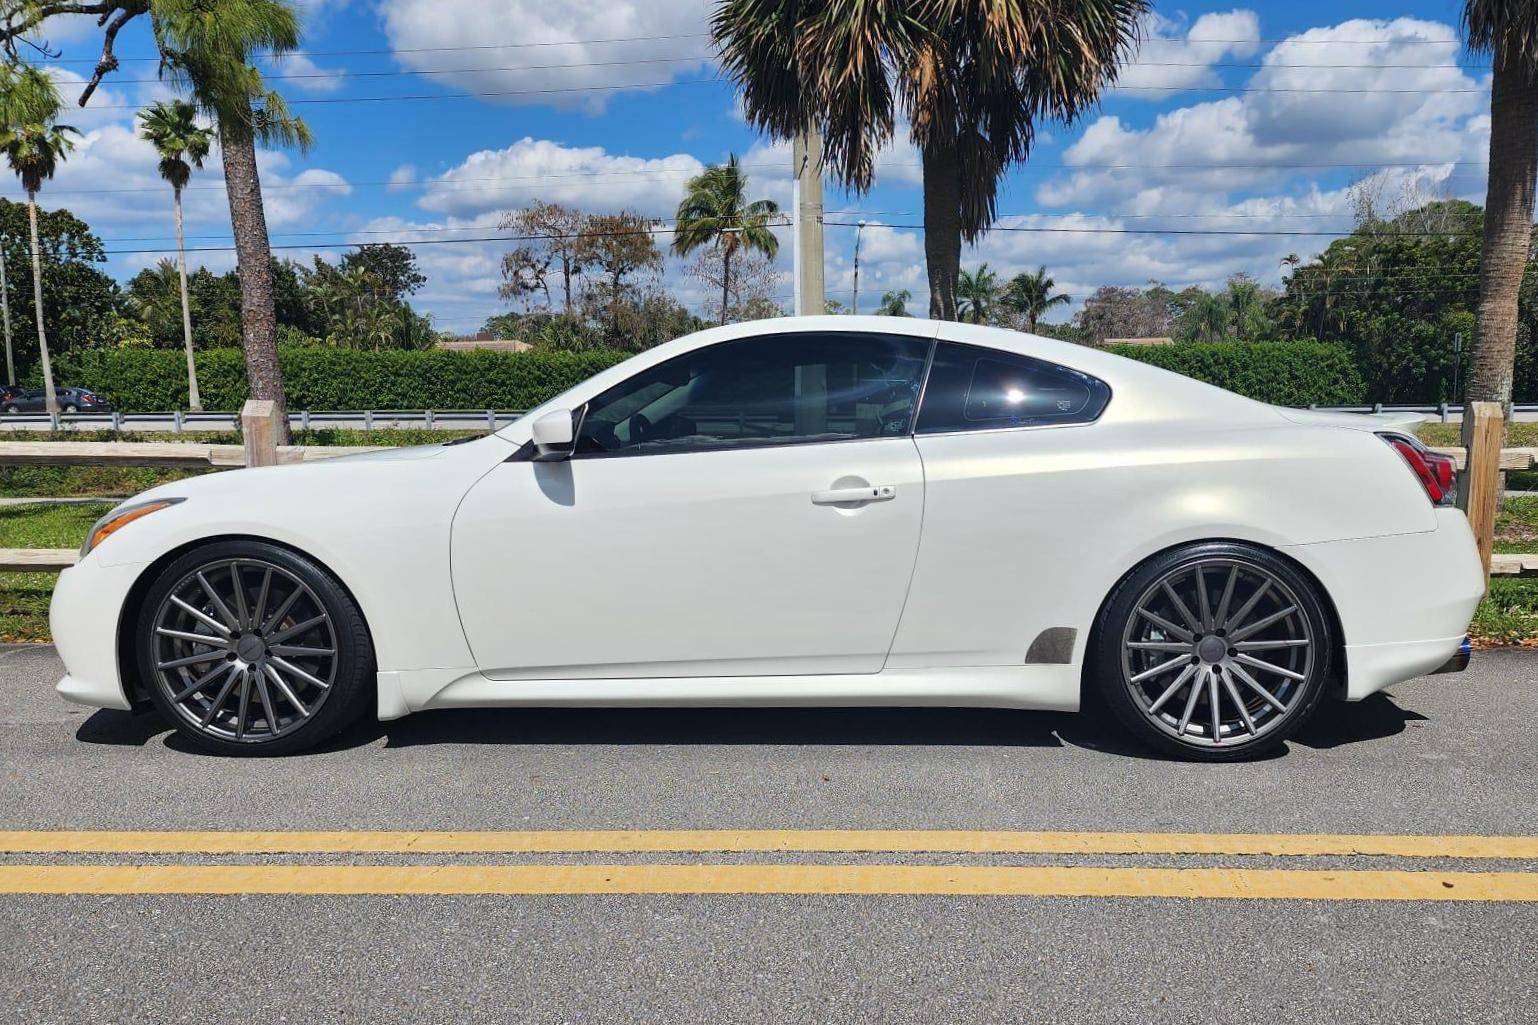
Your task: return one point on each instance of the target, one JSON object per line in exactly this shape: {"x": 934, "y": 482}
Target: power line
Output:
{"x": 471, "y": 184}
{"x": 674, "y": 83}
{"x": 340, "y": 74}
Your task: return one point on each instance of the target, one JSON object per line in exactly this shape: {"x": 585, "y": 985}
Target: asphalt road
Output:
{"x": 1450, "y": 755}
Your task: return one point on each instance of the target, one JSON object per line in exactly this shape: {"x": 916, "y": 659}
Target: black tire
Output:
{"x": 1110, "y": 675}
{"x": 13, "y": 409}
{"x": 70, "y": 409}
{"x": 350, "y": 667}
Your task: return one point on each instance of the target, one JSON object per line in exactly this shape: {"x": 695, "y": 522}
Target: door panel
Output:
{"x": 703, "y": 563}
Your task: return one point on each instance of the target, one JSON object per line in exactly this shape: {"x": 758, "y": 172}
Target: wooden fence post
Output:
{"x": 259, "y": 427}
{"x": 1482, "y": 476}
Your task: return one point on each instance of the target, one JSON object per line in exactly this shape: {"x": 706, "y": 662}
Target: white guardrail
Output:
{"x": 177, "y": 421}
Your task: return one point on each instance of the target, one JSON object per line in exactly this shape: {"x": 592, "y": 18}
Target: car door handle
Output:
{"x": 849, "y": 496}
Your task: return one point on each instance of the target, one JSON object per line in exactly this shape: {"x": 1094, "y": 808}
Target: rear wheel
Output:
{"x": 249, "y": 648}
{"x": 1214, "y": 652}
{"x": 71, "y": 409}
{"x": 13, "y": 408}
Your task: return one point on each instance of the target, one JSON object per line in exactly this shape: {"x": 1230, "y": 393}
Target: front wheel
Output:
{"x": 1214, "y": 652}
{"x": 249, "y": 648}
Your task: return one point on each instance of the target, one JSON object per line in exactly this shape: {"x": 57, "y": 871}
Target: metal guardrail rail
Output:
{"x": 178, "y": 421}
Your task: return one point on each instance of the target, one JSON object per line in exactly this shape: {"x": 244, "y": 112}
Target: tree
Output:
{"x": 749, "y": 293}
{"x": 81, "y": 303}
{"x": 977, "y": 293}
{"x": 1030, "y": 296}
{"x": 619, "y": 245}
{"x": 1507, "y": 30}
{"x": 34, "y": 150}
{"x": 24, "y": 99}
{"x": 972, "y": 78}
{"x": 206, "y": 46}
{"x": 182, "y": 144}
{"x": 716, "y": 211}
{"x": 392, "y": 270}
{"x": 894, "y": 304}
{"x": 551, "y": 235}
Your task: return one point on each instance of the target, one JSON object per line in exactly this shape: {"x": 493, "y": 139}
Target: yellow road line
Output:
{"x": 971, "y": 880}
{"x": 760, "y": 841}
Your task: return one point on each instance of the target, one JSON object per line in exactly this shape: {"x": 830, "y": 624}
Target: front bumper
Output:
{"x": 83, "y": 617}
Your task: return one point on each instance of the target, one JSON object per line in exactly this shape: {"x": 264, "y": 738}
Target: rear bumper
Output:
{"x": 1460, "y": 661}
{"x": 1404, "y": 601}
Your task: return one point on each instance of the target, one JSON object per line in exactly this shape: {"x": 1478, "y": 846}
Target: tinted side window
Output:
{"x": 770, "y": 390}
{"x": 972, "y": 388}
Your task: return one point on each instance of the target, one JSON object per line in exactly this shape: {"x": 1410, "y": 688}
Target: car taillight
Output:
{"x": 1436, "y": 472}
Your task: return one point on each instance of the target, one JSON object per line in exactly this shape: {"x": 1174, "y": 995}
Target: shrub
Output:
{"x": 331, "y": 378}
{"x": 1285, "y": 373}
{"x": 324, "y": 377}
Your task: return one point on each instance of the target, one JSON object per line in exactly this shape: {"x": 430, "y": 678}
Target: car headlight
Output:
{"x": 121, "y": 517}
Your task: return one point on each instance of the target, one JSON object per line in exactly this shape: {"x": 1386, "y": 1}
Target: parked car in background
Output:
{"x": 801, "y": 511}
{"x": 71, "y": 400}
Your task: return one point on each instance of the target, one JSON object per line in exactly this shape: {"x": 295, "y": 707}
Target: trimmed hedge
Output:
{"x": 1287, "y": 373}
{"x": 1284, "y": 373}
{"x": 147, "y": 380}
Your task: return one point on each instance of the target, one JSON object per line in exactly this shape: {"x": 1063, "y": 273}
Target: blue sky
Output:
{"x": 613, "y": 105}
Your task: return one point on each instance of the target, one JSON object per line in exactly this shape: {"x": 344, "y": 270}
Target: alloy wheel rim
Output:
{"x": 1217, "y": 652}
{"x": 244, "y": 650}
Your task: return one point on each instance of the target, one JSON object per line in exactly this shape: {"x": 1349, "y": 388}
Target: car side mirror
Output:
{"x": 554, "y": 436}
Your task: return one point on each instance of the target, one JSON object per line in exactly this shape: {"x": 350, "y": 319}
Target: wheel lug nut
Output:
{"x": 1232, "y": 652}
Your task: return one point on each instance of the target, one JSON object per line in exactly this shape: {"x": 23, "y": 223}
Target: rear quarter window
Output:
{"x": 973, "y": 388}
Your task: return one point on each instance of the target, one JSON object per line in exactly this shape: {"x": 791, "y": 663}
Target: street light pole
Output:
{"x": 858, "y": 227}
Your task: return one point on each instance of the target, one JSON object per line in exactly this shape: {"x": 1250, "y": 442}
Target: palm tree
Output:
{"x": 172, "y": 128}
{"x": 34, "y": 150}
{"x": 894, "y": 304}
{"x": 1031, "y": 296}
{"x": 24, "y": 99}
{"x": 972, "y": 77}
{"x": 976, "y": 295}
{"x": 206, "y": 47}
{"x": 1507, "y": 30}
{"x": 715, "y": 211}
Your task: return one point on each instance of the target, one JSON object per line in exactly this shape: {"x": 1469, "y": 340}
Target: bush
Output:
{"x": 323, "y": 377}
{"x": 136, "y": 380}
{"x": 1285, "y": 373}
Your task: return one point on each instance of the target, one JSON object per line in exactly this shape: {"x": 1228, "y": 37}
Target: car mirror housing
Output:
{"x": 554, "y": 436}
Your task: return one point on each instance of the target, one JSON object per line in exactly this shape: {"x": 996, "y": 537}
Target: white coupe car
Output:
{"x": 810, "y": 511}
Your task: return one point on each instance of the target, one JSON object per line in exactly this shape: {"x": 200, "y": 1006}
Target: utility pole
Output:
{"x": 806, "y": 221}
{"x": 5, "y": 307}
{"x": 1457, "y": 363}
{"x": 858, "y": 227}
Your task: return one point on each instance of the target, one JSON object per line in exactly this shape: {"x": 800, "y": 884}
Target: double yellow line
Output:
{"x": 778, "y": 878}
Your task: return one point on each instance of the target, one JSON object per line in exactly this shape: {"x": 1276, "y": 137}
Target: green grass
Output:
{"x": 24, "y": 606}
{"x": 1508, "y": 614}
{"x": 24, "y": 596}
{"x": 1518, "y": 435}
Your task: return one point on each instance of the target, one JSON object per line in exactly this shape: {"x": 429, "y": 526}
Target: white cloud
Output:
{"x": 555, "y": 45}
{"x": 1369, "y": 114}
{"x": 298, "y": 71}
{"x": 1169, "y": 60}
{"x": 588, "y": 176}
{"x": 402, "y": 177}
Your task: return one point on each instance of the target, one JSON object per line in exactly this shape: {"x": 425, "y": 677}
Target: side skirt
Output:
{"x": 1044, "y": 687}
